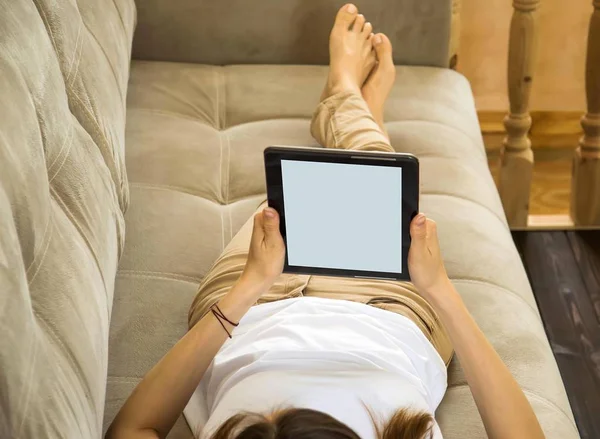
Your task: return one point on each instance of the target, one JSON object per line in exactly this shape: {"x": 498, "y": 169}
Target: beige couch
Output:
{"x": 189, "y": 118}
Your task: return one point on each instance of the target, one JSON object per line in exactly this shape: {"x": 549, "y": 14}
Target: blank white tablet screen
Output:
{"x": 344, "y": 216}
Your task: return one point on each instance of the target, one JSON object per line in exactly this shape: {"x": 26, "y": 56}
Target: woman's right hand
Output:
{"x": 425, "y": 264}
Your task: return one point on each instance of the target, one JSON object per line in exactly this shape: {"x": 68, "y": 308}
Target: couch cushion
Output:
{"x": 195, "y": 136}
{"x": 284, "y": 32}
{"x": 63, "y": 75}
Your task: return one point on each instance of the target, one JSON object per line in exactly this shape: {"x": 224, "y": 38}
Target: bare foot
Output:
{"x": 351, "y": 54}
{"x": 379, "y": 84}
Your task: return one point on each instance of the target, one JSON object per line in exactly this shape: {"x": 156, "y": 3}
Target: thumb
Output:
{"x": 418, "y": 230}
{"x": 258, "y": 232}
{"x": 270, "y": 222}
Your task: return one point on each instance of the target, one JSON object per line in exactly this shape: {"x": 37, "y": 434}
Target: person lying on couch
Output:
{"x": 323, "y": 357}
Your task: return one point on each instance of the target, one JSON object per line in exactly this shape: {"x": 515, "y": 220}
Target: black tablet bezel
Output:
{"x": 410, "y": 196}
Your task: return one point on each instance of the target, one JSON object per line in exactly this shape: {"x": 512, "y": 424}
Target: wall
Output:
{"x": 558, "y": 84}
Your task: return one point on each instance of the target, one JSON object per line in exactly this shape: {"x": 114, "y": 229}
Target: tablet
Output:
{"x": 343, "y": 213}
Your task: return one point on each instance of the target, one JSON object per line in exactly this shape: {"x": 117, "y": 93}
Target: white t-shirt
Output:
{"x": 334, "y": 356}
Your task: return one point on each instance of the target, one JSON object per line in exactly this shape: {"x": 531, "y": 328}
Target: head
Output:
{"x": 297, "y": 423}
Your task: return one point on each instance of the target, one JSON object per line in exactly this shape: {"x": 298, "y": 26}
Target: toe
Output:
{"x": 359, "y": 23}
{"x": 383, "y": 47}
{"x": 372, "y": 58}
{"x": 367, "y": 29}
{"x": 371, "y": 61}
{"x": 346, "y": 16}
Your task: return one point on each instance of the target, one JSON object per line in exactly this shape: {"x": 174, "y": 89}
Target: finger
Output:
{"x": 258, "y": 232}
{"x": 432, "y": 237}
{"x": 270, "y": 223}
{"x": 418, "y": 230}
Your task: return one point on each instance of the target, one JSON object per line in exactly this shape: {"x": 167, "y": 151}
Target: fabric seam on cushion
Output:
{"x": 120, "y": 196}
{"x": 217, "y": 78}
{"x": 174, "y": 276}
{"x": 227, "y": 177}
{"x": 67, "y": 143}
{"x": 433, "y": 156}
{"x": 442, "y": 194}
{"x": 91, "y": 111}
{"x": 147, "y": 276}
{"x": 248, "y": 196}
{"x": 477, "y": 169}
{"x": 56, "y": 198}
{"x": 108, "y": 61}
{"x": 220, "y": 195}
{"x": 120, "y": 18}
{"x": 222, "y": 98}
{"x": 533, "y": 395}
{"x": 171, "y": 188}
{"x": 271, "y": 119}
{"x": 488, "y": 283}
{"x": 24, "y": 406}
{"x": 108, "y": 146}
{"x": 78, "y": 52}
{"x": 183, "y": 116}
{"x": 222, "y": 230}
{"x": 60, "y": 166}
{"x": 70, "y": 356}
{"x": 453, "y": 128}
{"x": 39, "y": 258}
{"x": 230, "y": 223}
{"x": 44, "y": 18}
{"x": 165, "y": 187}
{"x": 91, "y": 118}
{"x": 173, "y": 115}
{"x": 222, "y": 107}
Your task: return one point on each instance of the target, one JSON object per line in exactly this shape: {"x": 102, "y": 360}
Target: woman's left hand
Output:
{"x": 267, "y": 250}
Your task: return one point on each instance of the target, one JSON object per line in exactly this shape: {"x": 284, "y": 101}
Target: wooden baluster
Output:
{"x": 516, "y": 159}
{"x": 585, "y": 185}
{"x": 454, "y": 35}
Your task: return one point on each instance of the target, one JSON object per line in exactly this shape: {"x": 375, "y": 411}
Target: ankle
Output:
{"x": 344, "y": 85}
{"x": 337, "y": 87}
{"x": 378, "y": 116}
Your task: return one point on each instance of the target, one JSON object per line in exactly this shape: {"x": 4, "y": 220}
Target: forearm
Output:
{"x": 505, "y": 411}
{"x": 161, "y": 396}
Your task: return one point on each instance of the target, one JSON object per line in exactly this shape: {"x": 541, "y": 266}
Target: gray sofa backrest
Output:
{"x": 283, "y": 31}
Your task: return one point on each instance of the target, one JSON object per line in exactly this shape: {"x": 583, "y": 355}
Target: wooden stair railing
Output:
{"x": 454, "y": 34}
{"x": 585, "y": 185}
{"x": 516, "y": 159}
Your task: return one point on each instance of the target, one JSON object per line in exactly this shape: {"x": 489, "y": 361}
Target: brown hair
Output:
{"x": 297, "y": 423}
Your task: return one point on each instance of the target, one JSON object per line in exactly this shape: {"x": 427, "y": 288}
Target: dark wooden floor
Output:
{"x": 564, "y": 270}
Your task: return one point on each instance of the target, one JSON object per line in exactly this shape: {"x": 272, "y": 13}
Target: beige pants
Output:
{"x": 341, "y": 121}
